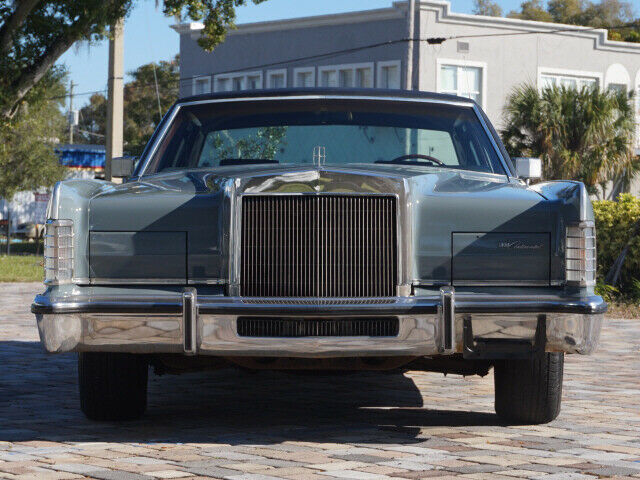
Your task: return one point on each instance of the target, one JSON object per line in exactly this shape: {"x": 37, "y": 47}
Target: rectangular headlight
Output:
{"x": 580, "y": 256}
{"x": 58, "y": 252}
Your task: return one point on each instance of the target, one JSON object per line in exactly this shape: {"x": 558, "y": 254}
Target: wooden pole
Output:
{"x": 115, "y": 100}
{"x": 411, "y": 30}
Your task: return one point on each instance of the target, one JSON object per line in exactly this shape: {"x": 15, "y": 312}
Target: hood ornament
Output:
{"x": 319, "y": 156}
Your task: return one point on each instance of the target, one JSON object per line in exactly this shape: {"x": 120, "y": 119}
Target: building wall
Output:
{"x": 512, "y": 60}
{"x": 251, "y": 46}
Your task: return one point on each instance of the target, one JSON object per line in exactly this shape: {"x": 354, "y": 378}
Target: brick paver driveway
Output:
{"x": 240, "y": 425}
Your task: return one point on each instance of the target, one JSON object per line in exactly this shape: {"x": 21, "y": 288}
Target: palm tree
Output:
{"x": 581, "y": 134}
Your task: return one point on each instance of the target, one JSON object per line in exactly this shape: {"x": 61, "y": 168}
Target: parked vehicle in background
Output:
{"x": 322, "y": 229}
{"x": 28, "y": 231}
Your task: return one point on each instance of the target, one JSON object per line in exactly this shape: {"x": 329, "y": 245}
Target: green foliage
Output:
{"x": 265, "y": 143}
{"x": 487, "y": 8}
{"x": 21, "y": 268}
{"x": 218, "y": 16}
{"x": 584, "y": 135}
{"x": 27, "y": 158}
{"x": 601, "y": 14}
{"x": 142, "y": 109}
{"x": 614, "y": 225}
{"x": 532, "y": 10}
{"x": 607, "y": 292}
{"x": 35, "y": 33}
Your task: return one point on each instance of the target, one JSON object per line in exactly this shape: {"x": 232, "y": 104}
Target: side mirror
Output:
{"x": 528, "y": 168}
{"x": 123, "y": 167}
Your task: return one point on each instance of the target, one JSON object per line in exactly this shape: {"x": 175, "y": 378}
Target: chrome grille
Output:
{"x": 317, "y": 327}
{"x": 318, "y": 246}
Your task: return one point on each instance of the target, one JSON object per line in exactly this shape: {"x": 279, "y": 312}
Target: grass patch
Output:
{"x": 21, "y": 268}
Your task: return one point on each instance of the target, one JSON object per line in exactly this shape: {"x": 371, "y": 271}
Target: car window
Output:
{"x": 217, "y": 136}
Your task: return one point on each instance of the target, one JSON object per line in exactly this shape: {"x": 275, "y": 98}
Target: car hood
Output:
{"x": 434, "y": 204}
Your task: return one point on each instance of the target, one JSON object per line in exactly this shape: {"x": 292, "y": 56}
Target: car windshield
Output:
{"x": 237, "y": 134}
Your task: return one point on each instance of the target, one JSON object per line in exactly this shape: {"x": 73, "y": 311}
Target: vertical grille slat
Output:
{"x": 318, "y": 246}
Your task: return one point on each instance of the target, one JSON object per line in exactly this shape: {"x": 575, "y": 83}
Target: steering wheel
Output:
{"x": 404, "y": 158}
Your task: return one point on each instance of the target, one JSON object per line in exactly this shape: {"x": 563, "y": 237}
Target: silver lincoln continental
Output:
{"x": 322, "y": 229}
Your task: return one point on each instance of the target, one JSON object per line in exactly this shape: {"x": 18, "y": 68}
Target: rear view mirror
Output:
{"x": 528, "y": 168}
{"x": 122, "y": 167}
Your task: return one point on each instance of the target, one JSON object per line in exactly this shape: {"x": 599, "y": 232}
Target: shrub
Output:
{"x": 614, "y": 225}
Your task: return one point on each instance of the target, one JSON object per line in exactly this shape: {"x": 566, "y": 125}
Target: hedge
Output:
{"x": 614, "y": 224}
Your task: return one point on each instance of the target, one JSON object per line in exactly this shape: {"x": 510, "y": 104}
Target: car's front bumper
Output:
{"x": 445, "y": 323}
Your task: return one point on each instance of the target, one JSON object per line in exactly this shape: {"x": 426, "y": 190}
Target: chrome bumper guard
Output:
{"x": 478, "y": 326}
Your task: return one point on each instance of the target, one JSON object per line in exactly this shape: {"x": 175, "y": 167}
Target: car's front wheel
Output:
{"x": 529, "y": 391}
{"x": 113, "y": 386}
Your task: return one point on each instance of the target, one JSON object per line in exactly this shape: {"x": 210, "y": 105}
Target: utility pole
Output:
{"x": 71, "y": 116}
{"x": 411, "y": 30}
{"x": 115, "y": 94}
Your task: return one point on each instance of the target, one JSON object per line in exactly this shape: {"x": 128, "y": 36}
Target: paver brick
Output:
{"x": 231, "y": 424}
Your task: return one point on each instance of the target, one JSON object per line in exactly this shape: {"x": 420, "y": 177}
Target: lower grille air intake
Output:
{"x": 317, "y": 327}
{"x": 319, "y": 246}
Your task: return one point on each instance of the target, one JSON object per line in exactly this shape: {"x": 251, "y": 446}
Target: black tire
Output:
{"x": 529, "y": 391}
{"x": 113, "y": 386}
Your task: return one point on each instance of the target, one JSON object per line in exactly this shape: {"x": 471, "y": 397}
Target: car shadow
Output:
{"x": 39, "y": 401}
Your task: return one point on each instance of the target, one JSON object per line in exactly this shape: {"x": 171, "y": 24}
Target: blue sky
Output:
{"x": 148, "y": 36}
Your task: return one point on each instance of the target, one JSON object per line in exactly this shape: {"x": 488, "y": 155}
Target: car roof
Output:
{"x": 367, "y": 94}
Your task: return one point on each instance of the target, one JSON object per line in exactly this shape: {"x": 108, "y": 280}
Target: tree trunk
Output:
{"x": 9, "y": 230}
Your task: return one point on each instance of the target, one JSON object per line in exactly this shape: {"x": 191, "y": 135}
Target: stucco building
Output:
{"x": 486, "y": 60}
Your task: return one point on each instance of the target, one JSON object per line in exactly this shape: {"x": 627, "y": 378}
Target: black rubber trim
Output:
{"x": 412, "y": 306}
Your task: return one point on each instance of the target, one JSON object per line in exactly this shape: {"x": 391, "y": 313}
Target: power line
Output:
{"x": 346, "y": 51}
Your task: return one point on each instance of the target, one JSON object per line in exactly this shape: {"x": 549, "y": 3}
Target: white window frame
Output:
{"x": 452, "y": 62}
{"x": 243, "y": 75}
{"x": 273, "y": 73}
{"x": 347, "y": 66}
{"x": 561, "y": 72}
{"x": 390, "y": 63}
{"x": 195, "y": 82}
{"x": 311, "y": 70}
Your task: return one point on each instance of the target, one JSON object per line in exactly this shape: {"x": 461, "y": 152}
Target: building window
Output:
{"x": 347, "y": 76}
{"x": 305, "y": 77}
{"x": 223, "y": 84}
{"x": 389, "y": 74}
{"x": 238, "y": 81}
{"x": 277, "y": 79}
{"x": 462, "y": 80}
{"x": 617, "y": 87}
{"x": 568, "y": 81}
{"x": 201, "y": 85}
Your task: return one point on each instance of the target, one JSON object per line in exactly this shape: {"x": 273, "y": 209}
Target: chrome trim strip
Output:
{"x": 206, "y": 281}
{"x": 170, "y": 117}
{"x": 476, "y": 110}
{"x": 137, "y": 281}
{"x": 190, "y": 321}
{"x": 447, "y": 311}
{"x": 177, "y": 107}
{"x": 501, "y": 283}
{"x": 218, "y": 304}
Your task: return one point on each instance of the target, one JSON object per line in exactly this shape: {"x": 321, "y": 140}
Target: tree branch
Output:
{"x": 31, "y": 77}
{"x": 15, "y": 20}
